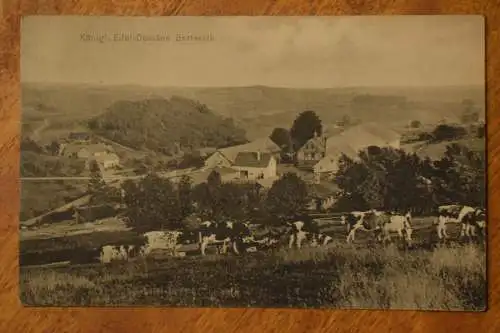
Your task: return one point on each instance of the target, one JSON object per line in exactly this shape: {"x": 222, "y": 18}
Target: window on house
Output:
{"x": 244, "y": 174}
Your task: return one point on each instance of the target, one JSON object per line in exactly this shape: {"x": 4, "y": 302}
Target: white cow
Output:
{"x": 110, "y": 253}
{"x": 298, "y": 233}
{"x": 161, "y": 241}
{"x": 400, "y": 224}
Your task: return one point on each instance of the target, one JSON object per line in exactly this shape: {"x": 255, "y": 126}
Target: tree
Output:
{"x": 190, "y": 161}
{"x": 305, "y": 126}
{"x": 382, "y": 178}
{"x": 53, "y": 148}
{"x": 184, "y": 190}
{"x": 98, "y": 189}
{"x": 281, "y": 136}
{"x": 152, "y": 203}
{"x": 463, "y": 176}
{"x": 287, "y": 197}
{"x": 415, "y": 124}
{"x": 470, "y": 113}
{"x": 445, "y": 132}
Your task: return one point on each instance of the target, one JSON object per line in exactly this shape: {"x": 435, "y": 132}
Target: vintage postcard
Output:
{"x": 287, "y": 162}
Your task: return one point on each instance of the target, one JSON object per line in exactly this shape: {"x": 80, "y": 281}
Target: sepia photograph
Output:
{"x": 268, "y": 162}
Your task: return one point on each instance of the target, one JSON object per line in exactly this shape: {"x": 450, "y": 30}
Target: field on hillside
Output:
{"x": 40, "y": 197}
{"x": 360, "y": 275}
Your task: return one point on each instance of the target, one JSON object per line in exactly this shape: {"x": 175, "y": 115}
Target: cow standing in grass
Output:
{"x": 161, "y": 241}
{"x": 365, "y": 221}
{"x": 224, "y": 233}
{"x": 395, "y": 223}
{"x": 109, "y": 253}
{"x": 470, "y": 219}
{"x": 301, "y": 230}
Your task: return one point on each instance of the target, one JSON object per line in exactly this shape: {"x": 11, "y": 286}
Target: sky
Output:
{"x": 306, "y": 52}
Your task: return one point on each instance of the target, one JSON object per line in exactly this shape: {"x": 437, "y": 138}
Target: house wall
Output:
{"x": 110, "y": 163}
{"x": 311, "y": 152}
{"x": 254, "y": 173}
{"x": 217, "y": 159}
{"x": 83, "y": 153}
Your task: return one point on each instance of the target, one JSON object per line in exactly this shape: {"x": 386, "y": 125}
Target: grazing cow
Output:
{"x": 300, "y": 231}
{"x": 467, "y": 216}
{"x": 161, "y": 241}
{"x": 225, "y": 233}
{"x": 110, "y": 253}
{"x": 366, "y": 221}
{"x": 474, "y": 222}
{"x": 322, "y": 239}
{"x": 400, "y": 224}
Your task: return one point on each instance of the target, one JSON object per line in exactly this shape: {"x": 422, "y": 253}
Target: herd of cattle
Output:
{"x": 244, "y": 237}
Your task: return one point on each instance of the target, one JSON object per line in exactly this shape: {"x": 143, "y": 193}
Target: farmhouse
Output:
{"x": 108, "y": 161}
{"x": 79, "y": 137}
{"x": 85, "y": 151}
{"x": 311, "y": 152}
{"x": 255, "y": 165}
{"x": 351, "y": 141}
{"x": 227, "y": 156}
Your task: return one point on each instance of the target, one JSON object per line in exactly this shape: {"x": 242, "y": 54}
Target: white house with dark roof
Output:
{"x": 255, "y": 165}
{"x": 227, "y": 156}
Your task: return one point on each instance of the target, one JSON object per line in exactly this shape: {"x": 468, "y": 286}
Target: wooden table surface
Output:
{"x": 15, "y": 318}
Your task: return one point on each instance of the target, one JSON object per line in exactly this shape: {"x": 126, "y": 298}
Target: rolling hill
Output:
{"x": 259, "y": 108}
{"x": 166, "y": 125}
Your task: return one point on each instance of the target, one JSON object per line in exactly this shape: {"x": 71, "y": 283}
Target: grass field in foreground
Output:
{"x": 340, "y": 275}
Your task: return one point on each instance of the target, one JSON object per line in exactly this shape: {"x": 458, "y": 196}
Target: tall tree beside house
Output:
{"x": 287, "y": 197}
{"x": 281, "y": 137}
{"x": 152, "y": 204}
{"x": 306, "y": 126}
{"x": 185, "y": 189}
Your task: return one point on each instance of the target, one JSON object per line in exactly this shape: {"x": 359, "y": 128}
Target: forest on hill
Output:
{"x": 169, "y": 126}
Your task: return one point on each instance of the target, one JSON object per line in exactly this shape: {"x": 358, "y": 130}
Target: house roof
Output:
{"x": 252, "y": 159}
{"x": 107, "y": 157}
{"x": 318, "y": 141}
{"x": 261, "y": 144}
{"x": 359, "y": 137}
{"x": 79, "y": 135}
{"x": 92, "y": 148}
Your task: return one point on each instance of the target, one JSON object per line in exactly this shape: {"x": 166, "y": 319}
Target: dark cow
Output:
{"x": 301, "y": 229}
{"x": 470, "y": 219}
{"x": 366, "y": 221}
{"x": 224, "y": 233}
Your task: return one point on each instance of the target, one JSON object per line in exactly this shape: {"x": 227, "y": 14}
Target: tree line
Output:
{"x": 380, "y": 178}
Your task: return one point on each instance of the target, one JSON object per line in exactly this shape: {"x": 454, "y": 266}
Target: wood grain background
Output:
{"x": 15, "y": 318}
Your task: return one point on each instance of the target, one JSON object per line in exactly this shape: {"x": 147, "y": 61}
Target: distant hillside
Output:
{"x": 166, "y": 126}
{"x": 260, "y": 108}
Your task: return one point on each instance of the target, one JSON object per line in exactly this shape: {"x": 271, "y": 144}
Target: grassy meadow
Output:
{"x": 340, "y": 275}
